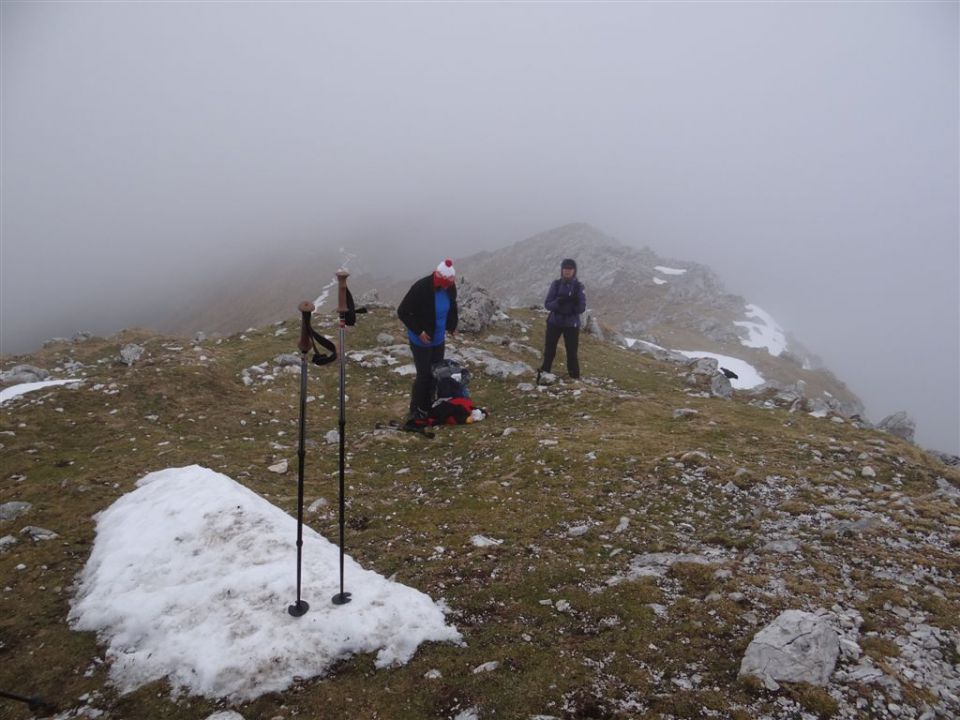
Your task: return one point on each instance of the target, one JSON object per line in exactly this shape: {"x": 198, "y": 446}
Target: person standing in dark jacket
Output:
{"x": 429, "y": 311}
{"x": 566, "y": 301}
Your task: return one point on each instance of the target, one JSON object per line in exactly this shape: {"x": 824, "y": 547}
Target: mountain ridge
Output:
{"x": 670, "y": 528}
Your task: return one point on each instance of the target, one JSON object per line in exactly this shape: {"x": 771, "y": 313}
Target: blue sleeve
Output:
{"x": 581, "y": 299}
{"x": 551, "y": 302}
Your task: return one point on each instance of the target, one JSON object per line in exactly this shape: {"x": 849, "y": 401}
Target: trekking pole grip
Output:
{"x": 342, "y": 276}
{"x": 306, "y": 309}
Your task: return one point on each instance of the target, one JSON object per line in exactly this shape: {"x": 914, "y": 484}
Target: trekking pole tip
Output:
{"x": 299, "y": 608}
{"x": 342, "y": 598}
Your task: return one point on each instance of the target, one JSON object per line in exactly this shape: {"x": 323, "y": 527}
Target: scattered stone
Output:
{"x": 868, "y": 472}
{"x": 796, "y": 647}
{"x": 7, "y": 542}
{"x": 280, "y": 468}
{"x": 333, "y": 436}
{"x": 578, "y": 530}
{"x": 547, "y": 378}
{"x": 685, "y": 412}
{"x": 131, "y": 353}
{"x": 475, "y": 306}
{"x": 484, "y": 541}
{"x": 785, "y": 546}
{"x": 13, "y": 510}
{"x": 287, "y": 360}
{"x": 899, "y": 424}
{"x": 20, "y": 374}
{"x": 385, "y": 339}
{"x": 486, "y": 667}
{"x": 38, "y": 533}
{"x": 720, "y": 386}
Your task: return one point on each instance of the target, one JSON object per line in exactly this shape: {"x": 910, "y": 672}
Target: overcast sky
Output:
{"x": 807, "y": 152}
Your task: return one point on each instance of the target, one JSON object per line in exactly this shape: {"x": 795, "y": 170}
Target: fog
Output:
{"x": 807, "y": 152}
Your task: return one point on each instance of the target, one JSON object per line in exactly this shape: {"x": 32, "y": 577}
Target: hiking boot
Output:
{"x": 416, "y": 420}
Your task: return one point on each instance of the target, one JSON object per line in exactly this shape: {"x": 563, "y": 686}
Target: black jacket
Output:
{"x": 418, "y": 310}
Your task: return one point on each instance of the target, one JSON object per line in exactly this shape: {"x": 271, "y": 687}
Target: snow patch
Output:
{"x": 23, "y": 388}
{"x": 765, "y": 333}
{"x": 748, "y": 376}
{"x": 669, "y": 270}
{"x": 190, "y": 578}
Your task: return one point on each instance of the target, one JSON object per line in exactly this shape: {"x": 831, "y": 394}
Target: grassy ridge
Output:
{"x": 570, "y": 640}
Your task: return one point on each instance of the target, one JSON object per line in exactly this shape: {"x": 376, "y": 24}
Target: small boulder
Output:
{"x": 38, "y": 533}
{"x": 131, "y": 353}
{"x": 13, "y": 510}
{"x": 20, "y": 374}
{"x": 899, "y": 424}
{"x": 796, "y": 647}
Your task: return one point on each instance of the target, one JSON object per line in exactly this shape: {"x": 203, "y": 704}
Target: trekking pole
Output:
{"x": 35, "y": 704}
{"x": 342, "y": 598}
{"x": 306, "y": 309}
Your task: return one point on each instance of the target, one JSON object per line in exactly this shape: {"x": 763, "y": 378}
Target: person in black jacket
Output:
{"x": 429, "y": 311}
{"x": 566, "y": 301}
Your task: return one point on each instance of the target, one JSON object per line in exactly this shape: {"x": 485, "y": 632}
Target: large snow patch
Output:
{"x": 190, "y": 578}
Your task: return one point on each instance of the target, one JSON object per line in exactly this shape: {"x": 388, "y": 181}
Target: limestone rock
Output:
{"x": 476, "y": 307}
{"x": 796, "y": 647}
{"x": 899, "y": 424}
{"x": 13, "y": 510}
{"x": 38, "y": 533}
{"x": 23, "y": 374}
{"x": 131, "y": 353}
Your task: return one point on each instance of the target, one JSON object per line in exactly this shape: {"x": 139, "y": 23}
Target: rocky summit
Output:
{"x": 659, "y": 306}
{"x": 645, "y": 542}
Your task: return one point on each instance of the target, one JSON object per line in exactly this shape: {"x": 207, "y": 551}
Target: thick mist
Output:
{"x": 807, "y": 152}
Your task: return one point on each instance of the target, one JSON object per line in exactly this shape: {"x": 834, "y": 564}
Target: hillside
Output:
{"x": 643, "y": 531}
{"x": 675, "y": 304}
{"x": 633, "y": 293}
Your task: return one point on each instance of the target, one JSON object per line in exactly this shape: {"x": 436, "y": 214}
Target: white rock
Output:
{"x": 868, "y": 471}
{"x": 486, "y": 667}
{"x": 796, "y": 647}
{"x": 484, "y": 541}
{"x": 280, "y": 468}
{"x": 38, "y": 533}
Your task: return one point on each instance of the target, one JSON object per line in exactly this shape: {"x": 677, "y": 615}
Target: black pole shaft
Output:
{"x": 300, "y": 607}
{"x": 35, "y": 704}
{"x": 342, "y": 597}
{"x": 343, "y": 308}
{"x": 301, "y": 457}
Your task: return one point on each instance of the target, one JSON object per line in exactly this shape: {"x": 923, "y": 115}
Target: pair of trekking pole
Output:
{"x": 308, "y": 338}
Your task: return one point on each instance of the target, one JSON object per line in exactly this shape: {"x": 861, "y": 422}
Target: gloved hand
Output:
{"x": 567, "y": 305}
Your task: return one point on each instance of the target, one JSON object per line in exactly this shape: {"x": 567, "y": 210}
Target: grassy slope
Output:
{"x": 619, "y": 453}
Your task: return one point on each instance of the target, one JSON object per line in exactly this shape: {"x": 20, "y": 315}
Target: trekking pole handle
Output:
{"x": 306, "y": 309}
{"x": 342, "y": 276}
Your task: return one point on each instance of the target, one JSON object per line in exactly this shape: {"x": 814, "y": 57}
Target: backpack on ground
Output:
{"x": 450, "y": 380}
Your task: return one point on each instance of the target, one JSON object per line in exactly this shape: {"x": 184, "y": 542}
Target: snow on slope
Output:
{"x": 190, "y": 578}
{"x": 765, "y": 333}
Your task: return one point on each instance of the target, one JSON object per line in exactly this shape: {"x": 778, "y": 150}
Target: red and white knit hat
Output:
{"x": 445, "y": 270}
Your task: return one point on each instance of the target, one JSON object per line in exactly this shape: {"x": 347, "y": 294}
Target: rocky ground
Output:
{"x": 632, "y": 545}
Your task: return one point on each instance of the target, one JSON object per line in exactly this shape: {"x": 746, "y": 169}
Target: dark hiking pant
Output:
{"x": 571, "y": 340}
{"x": 421, "y": 395}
